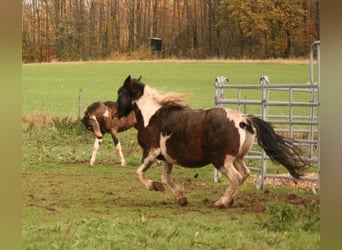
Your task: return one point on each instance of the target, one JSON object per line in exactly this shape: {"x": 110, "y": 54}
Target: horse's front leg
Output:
{"x": 118, "y": 148}
{"x": 148, "y": 159}
{"x": 166, "y": 178}
{"x": 94, "y": 152}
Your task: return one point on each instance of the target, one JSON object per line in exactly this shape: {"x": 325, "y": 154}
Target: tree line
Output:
{"x": 69, "y": 30}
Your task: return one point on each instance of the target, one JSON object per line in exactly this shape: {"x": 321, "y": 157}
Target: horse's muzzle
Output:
{"x": 98, "y": 135}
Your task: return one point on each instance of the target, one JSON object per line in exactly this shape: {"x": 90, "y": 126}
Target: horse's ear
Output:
{"x": 127, "y": 82}
{"x": 139, "y": 78}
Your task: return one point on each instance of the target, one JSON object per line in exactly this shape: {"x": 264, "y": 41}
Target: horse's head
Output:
{"x": 90, "y": 122}
{"x": 131, "y": 90}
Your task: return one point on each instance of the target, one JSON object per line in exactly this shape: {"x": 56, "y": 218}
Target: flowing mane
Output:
{"x": 169, "y": 99}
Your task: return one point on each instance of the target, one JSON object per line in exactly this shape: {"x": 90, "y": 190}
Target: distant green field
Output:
{"x": 54, "y": 88}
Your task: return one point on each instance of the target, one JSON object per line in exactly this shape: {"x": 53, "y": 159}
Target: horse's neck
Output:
{"x": 148, "y": 106}
{"x": 126, "y": 122}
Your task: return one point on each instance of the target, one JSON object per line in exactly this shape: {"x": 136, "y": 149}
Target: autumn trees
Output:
{"x": 67, "y": 30}
{"x": 268, "y": 28}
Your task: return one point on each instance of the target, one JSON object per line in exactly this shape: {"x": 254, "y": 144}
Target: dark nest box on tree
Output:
{"x": 156, "y": 44}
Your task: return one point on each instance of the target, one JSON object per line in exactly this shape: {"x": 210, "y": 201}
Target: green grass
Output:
{"x": 54, "y": 88}
{"x": 71, "y": 206}
{"x": 67, "y": 205}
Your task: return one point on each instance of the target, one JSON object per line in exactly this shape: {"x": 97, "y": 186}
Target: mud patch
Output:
{"x": 257, "y": 202}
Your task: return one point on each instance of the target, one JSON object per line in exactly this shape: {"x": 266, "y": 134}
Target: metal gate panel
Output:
{"x": 295, "y": 114}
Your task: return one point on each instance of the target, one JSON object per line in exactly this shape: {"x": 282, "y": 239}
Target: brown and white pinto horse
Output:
{"x": 101, "y": 118}
{"x": 171, "y": 132}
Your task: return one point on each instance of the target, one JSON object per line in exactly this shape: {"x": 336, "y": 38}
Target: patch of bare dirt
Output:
{"x": 291, "y": 182}
{"x": 98, "y": 162}
{"x": 256, "y": 202}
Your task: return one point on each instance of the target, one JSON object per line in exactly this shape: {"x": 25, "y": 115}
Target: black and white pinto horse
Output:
{"x": 101, "y": 118}
{"x": 172, "y": 132}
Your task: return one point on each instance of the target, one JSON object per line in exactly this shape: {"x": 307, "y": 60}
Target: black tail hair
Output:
{"x": 278, "y": 148}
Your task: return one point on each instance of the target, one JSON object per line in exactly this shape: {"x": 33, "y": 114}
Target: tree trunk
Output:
{"x": 155, "y": 19}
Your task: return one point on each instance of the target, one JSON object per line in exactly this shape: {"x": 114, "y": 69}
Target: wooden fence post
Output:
{"x": 80, "y": 104}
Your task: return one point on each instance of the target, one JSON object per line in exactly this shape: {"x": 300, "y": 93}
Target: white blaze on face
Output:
{"x": 147, "y": 105}
{"x": 163, "y": 149}
{"x": 237, "y": 117}
{"x": 97, "y": 131}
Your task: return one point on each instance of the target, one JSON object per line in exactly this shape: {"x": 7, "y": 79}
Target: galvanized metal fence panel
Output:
{"x": 293, "y": 110}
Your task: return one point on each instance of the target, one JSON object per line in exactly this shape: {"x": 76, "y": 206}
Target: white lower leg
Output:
{"x": 142, "y": 177}
{"x": 235, "y": 179}
{"x": 242, "y": 168}
{"x": 95, "y": 149}
{"x": 147, "y": 162}
{"x": 122, "y": 158}
{"x": 166, "y": 178}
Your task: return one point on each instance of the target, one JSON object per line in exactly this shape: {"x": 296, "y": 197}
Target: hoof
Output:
{"x": 123, "y": 162}
{"x": 220, "y": 205}
{"x": 157, "y": 186}
{"x": 183, "y": 201}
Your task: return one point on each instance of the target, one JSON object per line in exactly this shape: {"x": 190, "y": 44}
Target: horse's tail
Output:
{"x": 278, "y": 148}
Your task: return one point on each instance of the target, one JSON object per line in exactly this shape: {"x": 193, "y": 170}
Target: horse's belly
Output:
{"x": 182, "y": 152}
{"x": 193, "y": 164}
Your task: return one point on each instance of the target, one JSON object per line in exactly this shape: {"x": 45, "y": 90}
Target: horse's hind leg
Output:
{"x": 122, "y": 158}
{"x": 240, "y": 165}
{"x": 234, "y": 178}
{"x": 166, "y": 178}
{"x": 118, "y": 148}
{"x": 148, "y": 159}
{"x": 94, "y": 152}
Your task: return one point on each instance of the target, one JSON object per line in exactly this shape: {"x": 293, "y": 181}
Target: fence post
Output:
{"x": 80, "y": 99}
{"x": 219, "y": 95}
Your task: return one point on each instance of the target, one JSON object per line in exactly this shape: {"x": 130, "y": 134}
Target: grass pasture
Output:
{"x": 67, "y": 205}
{"x": 54, "y": 88}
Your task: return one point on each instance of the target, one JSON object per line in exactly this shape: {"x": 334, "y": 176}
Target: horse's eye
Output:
{"x": 89, "y": 128}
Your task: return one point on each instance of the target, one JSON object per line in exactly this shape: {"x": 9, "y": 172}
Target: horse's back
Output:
{"x": 112, "y": 106}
